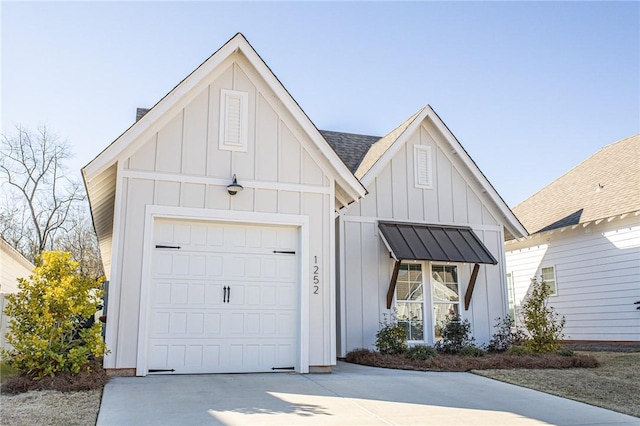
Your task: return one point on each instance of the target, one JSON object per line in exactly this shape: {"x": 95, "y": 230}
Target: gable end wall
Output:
{"x": 180, "y": 165}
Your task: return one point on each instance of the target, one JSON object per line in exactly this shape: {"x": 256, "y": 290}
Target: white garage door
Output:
{"x": 223, "y": 298}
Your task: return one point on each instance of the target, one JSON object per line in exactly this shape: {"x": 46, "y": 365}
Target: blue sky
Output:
{"x": 530, "y": 89}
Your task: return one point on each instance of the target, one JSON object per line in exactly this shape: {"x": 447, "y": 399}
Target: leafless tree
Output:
{"x": 79, "y": 238}
{"x": 38, "y": 192}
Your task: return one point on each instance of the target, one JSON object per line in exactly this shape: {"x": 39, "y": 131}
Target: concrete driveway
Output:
{"x": 352, "y": 395}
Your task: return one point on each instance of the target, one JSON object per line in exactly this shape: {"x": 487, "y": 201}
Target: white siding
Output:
{"x": 365, "y": 266}
{"x": 12, "y": 266}
{"x": 597, "y": 277}
{"x": 181, "y": 165}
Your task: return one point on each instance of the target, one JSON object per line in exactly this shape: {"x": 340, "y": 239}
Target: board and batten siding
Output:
{"x": 181, "y": 165}
{"x": 365, "y": 266}
{"x": 597, "y": 277}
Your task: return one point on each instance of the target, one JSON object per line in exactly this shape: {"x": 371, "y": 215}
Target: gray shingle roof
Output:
{"x": 351, "y": 148}
{"x": 381, "y": 146}
{"x": 604, "y": 185}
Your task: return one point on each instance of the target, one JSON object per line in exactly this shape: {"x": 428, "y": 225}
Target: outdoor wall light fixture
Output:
{"x": 234, "y": 187}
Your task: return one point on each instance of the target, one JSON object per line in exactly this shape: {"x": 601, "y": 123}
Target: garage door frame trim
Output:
{"x": 153, "y": 212}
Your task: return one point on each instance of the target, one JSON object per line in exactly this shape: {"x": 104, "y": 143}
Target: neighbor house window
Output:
{"x": 549, "y": 277}
{"x": 410, "y": 299}
{"x": 233, "y": 120}
{"x": 446, "y": 295}
{"x": 422, "y": 166}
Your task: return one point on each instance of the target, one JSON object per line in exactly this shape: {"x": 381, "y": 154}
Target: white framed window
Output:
{"x": 422, "y": 167}
{"x": 234, "y": 111}
{"x": 548, "y": 275}
{"x": 417, "y": 293}
{"x": 445, "y": 293}
{"x": 410, "y": 300}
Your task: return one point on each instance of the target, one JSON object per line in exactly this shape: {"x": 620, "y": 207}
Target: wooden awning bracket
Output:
{"x": 392, "y": 284}
{"x": 472, "y": 284}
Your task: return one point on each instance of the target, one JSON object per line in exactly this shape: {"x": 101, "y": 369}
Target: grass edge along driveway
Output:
{"x": 615, "y": 385}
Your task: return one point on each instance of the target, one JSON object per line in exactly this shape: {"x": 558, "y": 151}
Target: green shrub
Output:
{"x": 542, "y": 322}
{"x": 456, "y": 335}
{"x": 391, "y": 339}
{"x": 565, "y": 352}
{"x": 420, "y": 353}
{"x": 519, "y": 350}
{"x": 50, "y": 328}
{"x": 472, "y": 351}
{"x": 506, "y": 335}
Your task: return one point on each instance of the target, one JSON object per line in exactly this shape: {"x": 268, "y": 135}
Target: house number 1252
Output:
{"x": 316, "y": 275}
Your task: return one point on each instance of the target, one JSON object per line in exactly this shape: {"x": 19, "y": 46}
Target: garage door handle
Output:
{"x": 226, "y": 294}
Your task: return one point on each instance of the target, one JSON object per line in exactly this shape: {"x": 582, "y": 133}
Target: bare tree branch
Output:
{"x": 39, "y": 194}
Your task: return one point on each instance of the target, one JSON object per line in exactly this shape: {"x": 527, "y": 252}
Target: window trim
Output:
{"x": 433, "y": 302}
{"x": 555, "y": 278}
{"x": 428, "y": 315}
{"x": 424, "y": 300}
{"x": 429, "y": 166}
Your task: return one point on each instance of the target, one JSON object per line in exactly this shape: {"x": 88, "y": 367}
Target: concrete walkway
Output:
{"x": 352, "y": 395}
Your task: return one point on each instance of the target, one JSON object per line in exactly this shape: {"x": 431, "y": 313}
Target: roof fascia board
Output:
{"x": 528, "y": 240}
{"x": 513, "y": 222}
{"x": 344, "y": 175}
{"x": 327, "y": 164}
{"x": 121, "y": 145}
{"x": 238, "y": 43}
{"x": 374, "y": 171}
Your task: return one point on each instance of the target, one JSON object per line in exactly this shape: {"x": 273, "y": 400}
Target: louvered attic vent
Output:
{"x": 422, "y": 166}
{"x": 233, "y": 120}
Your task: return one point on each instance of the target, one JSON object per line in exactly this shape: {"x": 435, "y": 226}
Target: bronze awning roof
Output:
{"x": 410, "y": 241}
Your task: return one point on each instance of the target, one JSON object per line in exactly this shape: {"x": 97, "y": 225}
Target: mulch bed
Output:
{"x": 445, "y": 362}
{"x": 62, "y": 381}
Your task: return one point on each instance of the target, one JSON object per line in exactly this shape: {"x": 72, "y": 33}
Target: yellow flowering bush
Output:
{"x": 51, "y": 328}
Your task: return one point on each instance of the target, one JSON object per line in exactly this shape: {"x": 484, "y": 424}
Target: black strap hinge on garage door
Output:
{"x": 161, "y": 371}
{"x": 169, "y": 247}
{"x": 283, "y": 368}
{"x": 284, "y": 252}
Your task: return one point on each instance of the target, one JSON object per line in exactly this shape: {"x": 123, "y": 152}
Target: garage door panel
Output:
{"x": 180, "y": 324}
{"x": 195, "y": 328}
{"x": 197, "y": 235}
{"x": 200, "y": 356}
{"x": 185, "y": 293}
{"x": 215, "y": 236}
{"x": 214, "y": 266}
{"x": 212, "y": 323}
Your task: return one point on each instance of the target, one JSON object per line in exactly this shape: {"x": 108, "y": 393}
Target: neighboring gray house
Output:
{"x": 233, "y": 241}
{"x": 585, "y": 242}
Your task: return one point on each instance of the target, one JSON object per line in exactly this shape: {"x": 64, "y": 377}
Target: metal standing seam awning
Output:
{"x": 411, "y": 241}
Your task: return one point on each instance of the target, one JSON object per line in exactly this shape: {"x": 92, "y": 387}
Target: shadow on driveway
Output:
{"x": 352, "y": 395}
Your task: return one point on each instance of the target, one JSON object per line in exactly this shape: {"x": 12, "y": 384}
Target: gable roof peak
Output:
{"x": 378, "y": 149}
